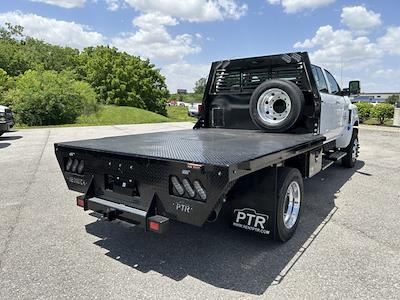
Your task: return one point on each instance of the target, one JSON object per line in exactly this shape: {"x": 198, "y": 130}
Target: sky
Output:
{"x": 355, "y": 40}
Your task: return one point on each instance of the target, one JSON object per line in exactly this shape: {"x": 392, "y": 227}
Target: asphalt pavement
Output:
{"x": 347, "y": 245}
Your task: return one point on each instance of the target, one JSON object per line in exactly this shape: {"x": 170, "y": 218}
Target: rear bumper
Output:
{"x": 113, "y": 211}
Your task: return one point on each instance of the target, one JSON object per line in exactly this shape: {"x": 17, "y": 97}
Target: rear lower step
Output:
{"x": 113, "y": 211}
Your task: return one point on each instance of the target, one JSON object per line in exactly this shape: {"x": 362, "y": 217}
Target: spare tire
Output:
{"x": 276, "y": 105}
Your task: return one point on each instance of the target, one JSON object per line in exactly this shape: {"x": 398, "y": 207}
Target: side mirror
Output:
{"x": 354, "y": 87}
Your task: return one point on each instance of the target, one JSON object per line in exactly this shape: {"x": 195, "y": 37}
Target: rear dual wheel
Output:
{"x": 290, "y": 198}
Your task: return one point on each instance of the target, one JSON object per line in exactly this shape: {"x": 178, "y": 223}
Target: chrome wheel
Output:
{"x": 274, "y": 106}
{"x": 292, "y": 205}
{"x": 354, "y": 153}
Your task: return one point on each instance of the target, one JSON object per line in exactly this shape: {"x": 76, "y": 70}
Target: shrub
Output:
{"x": 50, "y": 98}
{"x": 393, "y": 99}
{"x": 88, "y": 97}
{"x": 382, "y": 112}
{"x": 364, "y": 110}
{"x": 3, "y": 82}
{"x": 122, "y": 79}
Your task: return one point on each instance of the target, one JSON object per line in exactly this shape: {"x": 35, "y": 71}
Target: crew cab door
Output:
{"x": 332, "y": 104}
{"x": 340, "y": 105}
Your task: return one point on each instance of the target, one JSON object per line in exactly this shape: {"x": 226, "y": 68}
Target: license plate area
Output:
{"x": 121, "y": 185}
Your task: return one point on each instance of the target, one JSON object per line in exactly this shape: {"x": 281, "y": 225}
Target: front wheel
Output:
{"x": 290, "y": 197}
{"x": 352, "y": 151}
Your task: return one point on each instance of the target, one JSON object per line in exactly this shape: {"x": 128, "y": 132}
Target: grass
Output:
{"x": 376, "y": 122}
{"x": 118, "y": 115}
{"x": 111, "y": 115}
{"x": 179, "y": 114}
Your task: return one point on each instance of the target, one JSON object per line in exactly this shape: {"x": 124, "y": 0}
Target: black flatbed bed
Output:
{"x": 208, "y": 146}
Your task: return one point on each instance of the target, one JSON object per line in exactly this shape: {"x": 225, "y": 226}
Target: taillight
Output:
{"x": 81, "y": 166}
{"x": 80, "y": 201}
{"x": 200, "y": 190}
{"x": 187, "y": 189}
{"x": 69, "y": 164}
{"x": 74, "y": 165}
{"x": 177, "y": 185}
{"x": 157, "y": 223}
{"x": 154, "y": 226}
{"x": 201, "y": 109}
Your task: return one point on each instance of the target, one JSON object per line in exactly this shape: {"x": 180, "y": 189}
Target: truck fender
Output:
{"x": 344, "y": 140}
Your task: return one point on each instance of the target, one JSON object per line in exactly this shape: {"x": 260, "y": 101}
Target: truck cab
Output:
{"x": 6, "y": 119}
{"x": 338, "y": 114}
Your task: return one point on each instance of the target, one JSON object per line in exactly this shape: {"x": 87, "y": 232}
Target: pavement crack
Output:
{"x": 22, "y": 203}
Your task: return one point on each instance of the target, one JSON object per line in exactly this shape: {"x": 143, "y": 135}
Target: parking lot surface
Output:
{"x": 347, "y": 245}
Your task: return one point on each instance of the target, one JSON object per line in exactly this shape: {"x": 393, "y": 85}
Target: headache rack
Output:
{"x": 232, "y": 82}
{"x": 242, "y": 76}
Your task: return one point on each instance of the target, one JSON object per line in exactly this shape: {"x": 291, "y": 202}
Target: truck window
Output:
{"x": 332, "y": 83}
{"x": 319, "y": 79}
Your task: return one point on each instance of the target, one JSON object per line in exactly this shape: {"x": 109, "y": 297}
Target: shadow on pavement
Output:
{"x": 4, "y": 145}
{"x": 10, "y": 138}
{"x": 219, "y": 255}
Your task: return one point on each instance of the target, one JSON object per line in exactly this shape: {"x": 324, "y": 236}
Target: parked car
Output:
{"x": 6, "y": 119}
{"x": 193, "y": 109}
{"x": 172, "y": 103}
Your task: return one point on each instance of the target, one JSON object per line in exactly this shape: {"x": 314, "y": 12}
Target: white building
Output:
{"x": 373, "y": 98}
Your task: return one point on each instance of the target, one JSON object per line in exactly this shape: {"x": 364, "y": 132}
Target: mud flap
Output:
{"x": 253, "y": 202}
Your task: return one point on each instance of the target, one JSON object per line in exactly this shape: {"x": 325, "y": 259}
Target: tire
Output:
{"x": 352, "y": 150}
{"x": 276, "y": 105}
{"x": 289, "y": 179}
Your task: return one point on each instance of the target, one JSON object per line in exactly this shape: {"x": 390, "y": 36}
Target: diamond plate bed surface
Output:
{"x": 221, "y": 147}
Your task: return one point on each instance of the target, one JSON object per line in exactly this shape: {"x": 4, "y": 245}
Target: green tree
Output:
{"x": 123, "y": 79}
{"x": 48, "y": 98}
{"x": 382, "y": 112}
{"x": 117, "y": 78}
{"x": 19, "y": 53}
{"x": 6, "y": 82}
{"x": 50, "y": 57}
{"x": 393, "y": 99}
{"x": 3, "y": 83}
{"x": 200, "y": 86}
{"x": 364, "y": 110}
{"x": 13, "y": 59}
{"x": 11, "y": 32}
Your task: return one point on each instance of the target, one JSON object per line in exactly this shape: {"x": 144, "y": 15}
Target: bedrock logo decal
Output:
{"x": 77, "y": 180}
{"x": 249, "y": 219}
